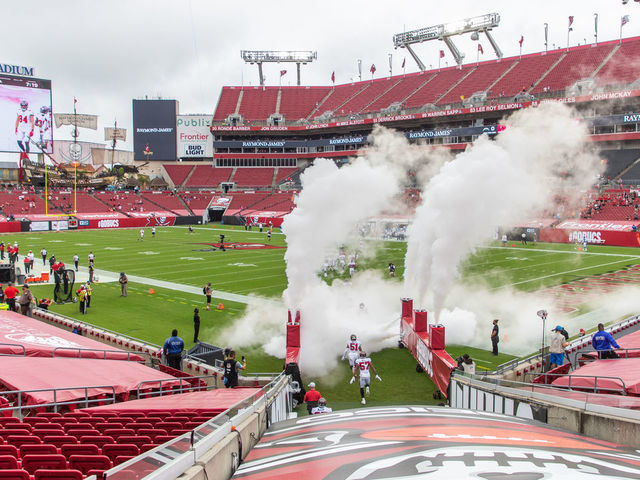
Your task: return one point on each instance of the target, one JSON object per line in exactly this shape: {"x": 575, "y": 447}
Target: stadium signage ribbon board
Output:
{"x": 194, "y": 136}
{"x": 436, "y": 113}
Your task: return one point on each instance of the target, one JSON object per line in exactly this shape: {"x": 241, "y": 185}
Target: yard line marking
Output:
{"x": 566, "y": 272}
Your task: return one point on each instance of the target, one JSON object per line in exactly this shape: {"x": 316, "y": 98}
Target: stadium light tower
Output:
{"x": 263, "y": 56}
{"x": 482, "y": 24}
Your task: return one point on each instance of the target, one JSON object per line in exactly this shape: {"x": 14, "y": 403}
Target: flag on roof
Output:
{"x": 624, "y": 20}
{"x": 441, "y": 53}
{"x": 521, "y": 40}
{"x": 480, "y": 49}
{"x": 570, "y": 20}
{"x": 403, "y": 62}
{"x": 333, "y": 77}
{"x": 372, "y": 69}
{"x": 282, "y": 72}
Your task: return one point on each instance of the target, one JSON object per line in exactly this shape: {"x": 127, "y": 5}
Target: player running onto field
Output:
{"x": 153, "y": 232}
{"x": 141, "y": 234}
{"x": 363, "y": 368}
{"x": 353, "y": 349}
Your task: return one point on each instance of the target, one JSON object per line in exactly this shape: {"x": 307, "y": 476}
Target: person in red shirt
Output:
{"x": 10, "y": 294}
{"x": 311, "y": 397}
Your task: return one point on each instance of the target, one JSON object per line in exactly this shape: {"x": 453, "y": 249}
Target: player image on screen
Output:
{"x": 24, "y": 126}
{"x": 43, "y": 122}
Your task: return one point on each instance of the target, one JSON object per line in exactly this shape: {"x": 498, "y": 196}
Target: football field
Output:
{"x": 167, "y": 274}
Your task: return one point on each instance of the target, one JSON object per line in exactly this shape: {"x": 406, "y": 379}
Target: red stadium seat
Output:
{"x": 34, "y": 420}
{"x": 168, "y": 426}
{"x": 179, "y": 431}
{"x": 135, "y": 415}
{"x": 137, "y": 440}
{"x": 48, "y": 432}
{"x": 180, "y": 419}
{"x": 78, "y": 415}
{"x": 122, "y": 458}
{"x": 66, "y": 420}
{"x": 5, "y": 420}
{"x": 87, "y": 463}
{"x": 45, "y": 425}
{"x": 79, "y": 449}
{"x": 98, "y": 440}
{"x": 48, "y": 415}
{"x": 31, "y": 463}
{"x": 19, "y": 440}
{"x": 102, "y": 426}
{"x": 38, "y": 449}
{"x": 14, "y": 474}
{"x": 9, "y": 450}
{"x": 152, "y": 432}
{"x": 77, "y": 426}
{"x": 17, "y": 426}
{"x": 104, "y": 414}
{"x": 46, "y": 474}
{"x": 59, "y": 440}
{"x": 137, "y": 426}
{"x": 79, "y": 432}
{"x": 113, "y": 450}
{"x": 118, "y": 432}
{"x": 8, "y": 462}
{"x": 160, "y": 439}
{"x": 147, "y": 446}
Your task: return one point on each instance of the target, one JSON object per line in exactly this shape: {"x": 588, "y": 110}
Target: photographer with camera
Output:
{"x": 231, "y": 367}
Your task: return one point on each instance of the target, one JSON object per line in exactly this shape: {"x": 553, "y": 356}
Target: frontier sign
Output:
{"x": 16, "y": 70}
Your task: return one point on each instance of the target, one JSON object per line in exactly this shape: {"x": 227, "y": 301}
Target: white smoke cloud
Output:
{"x": 493, "y": 183}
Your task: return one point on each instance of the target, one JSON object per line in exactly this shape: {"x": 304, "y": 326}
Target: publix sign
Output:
{"x": 193, "y": 136}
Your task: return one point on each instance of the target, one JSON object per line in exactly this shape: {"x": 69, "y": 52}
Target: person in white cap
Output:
{"x": 311, "y": 397}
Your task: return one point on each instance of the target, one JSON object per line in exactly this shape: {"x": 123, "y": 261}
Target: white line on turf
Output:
{"x": 533, "y": 250}
{"x": 591, "y": 267}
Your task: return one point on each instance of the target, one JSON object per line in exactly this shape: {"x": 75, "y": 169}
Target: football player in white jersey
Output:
{"x": 352, "y": 351}
{"x": 43, "y": 122}
{"x": 363, "y": 368}
{"x": 24, "y": 126}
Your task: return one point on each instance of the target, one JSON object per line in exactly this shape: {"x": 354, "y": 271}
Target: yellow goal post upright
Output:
{"x": 75, "y": 192}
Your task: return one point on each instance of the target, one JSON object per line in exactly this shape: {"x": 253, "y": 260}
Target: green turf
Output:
{"x": 177, "y": 256}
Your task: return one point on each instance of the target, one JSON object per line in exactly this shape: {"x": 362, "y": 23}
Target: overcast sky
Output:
{"x": 107, "y": 53}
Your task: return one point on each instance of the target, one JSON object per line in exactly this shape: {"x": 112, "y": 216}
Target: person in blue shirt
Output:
{"x": 603, "y": 343}
{"x": 173, "y": 347}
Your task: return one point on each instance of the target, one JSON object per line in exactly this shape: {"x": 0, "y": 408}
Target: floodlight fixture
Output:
{"x": 475, "y": 25}
{"x": 259, "y": 57}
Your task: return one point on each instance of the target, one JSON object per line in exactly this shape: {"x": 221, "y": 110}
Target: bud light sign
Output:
{"x": 194, "y": 138}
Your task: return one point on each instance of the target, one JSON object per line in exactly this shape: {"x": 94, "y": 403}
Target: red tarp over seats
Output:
{"x": 630, "y": 341}
{"x": 627, "y": 370}
{"x": 40, "y": 339}
{"x": 32, "y": 373}
{"x": 208, "y": 402}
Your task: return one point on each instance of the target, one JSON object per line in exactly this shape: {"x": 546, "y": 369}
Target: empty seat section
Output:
{"x": 430, "y": 92}
{"x": 338, "y": 97}
{"x": 31, "y": 463}
{"x": 196, "y": 201}
{"x": 67, "y": 474}
{"x": 399, "y": 92}
{"x": 21, "y": 203}
{"x": 227, "y": 102}
{"x": 241, "y": 201}
{"x": 208, "y": 176}
{"x": 284, "y": 173}
{"x": 86, "y": 203}
{"x": 298, "y": 102}
{"x": 527, "y": 71}
{"x": 178, "y": 173}
{"x": 166, "y": 200}
{"x": 86, "y": 463}
{"x": 368, "y": 94}
{"x": 478, "y": 80}
{"x": 14, "y": 474}
{"x": 253, "y": 177}
{"x": 258, "y": 102}
{"x": 113, "y": 450}
{"x": 622, "y": 68}
{"x": 579, "y": 63}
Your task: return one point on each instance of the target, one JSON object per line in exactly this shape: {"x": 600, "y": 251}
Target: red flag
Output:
{"x": 282, "y": 72}
{"x": 480, "y": 49}
{"x": 403, "y": 61}
{"x": 521, "y": 40}
{"x": 372, "y": 69}
{"x": 75, "y": 100}
{"x": 570, "y": 20}
{"x": 333, "y": 77}
{"x": 441, "y": 53}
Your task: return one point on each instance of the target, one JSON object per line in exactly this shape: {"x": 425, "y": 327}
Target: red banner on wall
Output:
{"x": 111, "y": 223}
{"x": 593, "y": 237}
{"x": 438, "y": 364}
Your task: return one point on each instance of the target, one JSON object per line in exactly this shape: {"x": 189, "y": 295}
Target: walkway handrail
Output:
{"x": 595, "y": 389}
{"x": 115, "y": 353}
{"x": 55, "y": 404}
{"x": 198, "y": 386}
{"x": 24, "y": 350}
